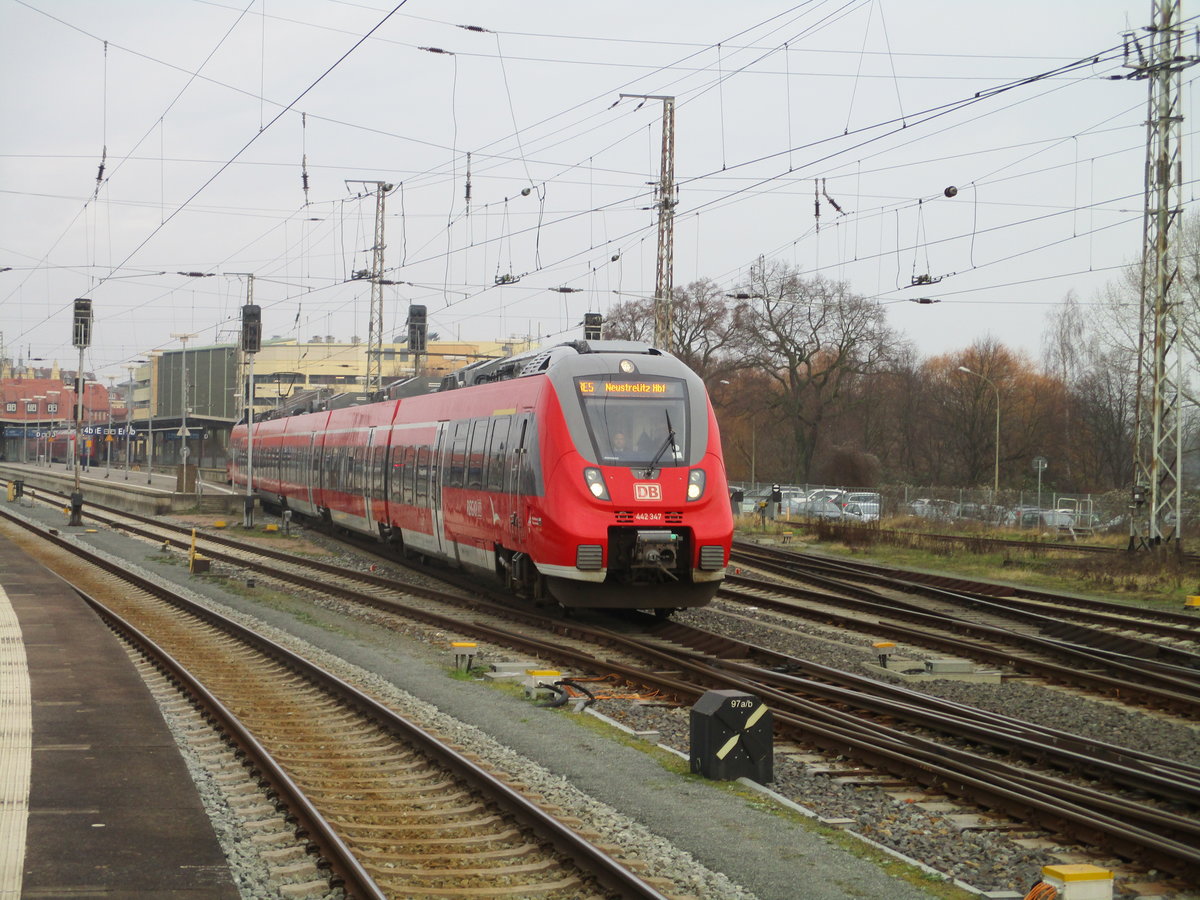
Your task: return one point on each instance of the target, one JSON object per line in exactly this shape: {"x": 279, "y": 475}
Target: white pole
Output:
{"x": 184, "y": 433}
{"x": 78, "y": 419}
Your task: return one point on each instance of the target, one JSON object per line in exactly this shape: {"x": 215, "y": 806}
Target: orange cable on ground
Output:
{"x": 1042, "y": 891}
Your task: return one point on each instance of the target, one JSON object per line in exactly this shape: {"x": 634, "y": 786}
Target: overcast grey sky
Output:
{"x": 206, "y": 112}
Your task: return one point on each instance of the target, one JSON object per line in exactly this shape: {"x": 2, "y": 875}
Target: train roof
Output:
{"x": 537, "y": 361}
{"x": 484, "y": 371}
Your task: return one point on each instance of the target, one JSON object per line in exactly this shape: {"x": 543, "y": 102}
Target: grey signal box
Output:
{"x": 732, "y": 737}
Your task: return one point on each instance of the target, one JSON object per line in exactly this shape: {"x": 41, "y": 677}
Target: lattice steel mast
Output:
{"x": 1157, "y": 57}
{"x": 665, "y": 190}
{"x": 375, "y": 330}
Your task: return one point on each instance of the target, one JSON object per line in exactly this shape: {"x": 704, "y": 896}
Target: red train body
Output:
{"x": 518, "y": 471}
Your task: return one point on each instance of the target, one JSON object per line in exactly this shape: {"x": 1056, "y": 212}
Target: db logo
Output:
{"x": 647, "y": 491}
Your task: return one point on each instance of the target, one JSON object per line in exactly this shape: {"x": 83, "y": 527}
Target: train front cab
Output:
{"x": 640, "y": 465}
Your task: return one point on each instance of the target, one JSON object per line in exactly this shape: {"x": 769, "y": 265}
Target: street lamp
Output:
{"x": 26, "y": 402}
{"x": 753, "y": 442}
{"x": 128, "y": 420}
{"x": 150, "y": 400}
{"x": 131, "y": 368}
{"x": 52, "y": 407}
{"x": 108, "y": 434}
{"x": 996, "y": 476}
{"x": 184, "y": 434}
{"x": 37, "y": 399}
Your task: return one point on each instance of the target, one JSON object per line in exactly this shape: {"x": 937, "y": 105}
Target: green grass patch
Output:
{"x": 1139, "y": 578}
{"x": 933, "y": 885}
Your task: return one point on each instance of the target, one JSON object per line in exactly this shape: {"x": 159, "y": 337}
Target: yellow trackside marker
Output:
{"x": 732, "y": 742}
{"x": 1077, "y": 872}
{"x": 758, "y": 713}
{"x": 729, "y": 745}
{"x": 1192, "y": 601}
{"x": 462, "y": 644}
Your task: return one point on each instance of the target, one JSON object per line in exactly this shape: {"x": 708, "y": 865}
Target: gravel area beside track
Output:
{"x": 1071, "y": 711}
{"x": 684, "y": 829}
{"x": 764, "y": 855}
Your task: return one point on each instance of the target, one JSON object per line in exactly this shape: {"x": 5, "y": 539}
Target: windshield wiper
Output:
{"x": 669, "y": 443}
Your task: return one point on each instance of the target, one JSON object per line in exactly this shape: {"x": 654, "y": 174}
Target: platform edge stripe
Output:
{"x": 16, "y": 748}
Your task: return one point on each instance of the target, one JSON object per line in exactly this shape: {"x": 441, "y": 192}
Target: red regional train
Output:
{"x": 589, "y": 472}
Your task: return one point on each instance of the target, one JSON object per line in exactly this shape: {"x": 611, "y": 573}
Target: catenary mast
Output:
{"x": 1157, "y": 57}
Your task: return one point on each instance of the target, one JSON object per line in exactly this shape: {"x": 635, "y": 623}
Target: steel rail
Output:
{"x": 1149, "y": 686}
{"x": 1167, "y": 779}
{"x": 1029, "y": 609}
{"x": 984, "y": 589}
{"x": 591, "y": 859}
{"x": 351, "y": 876}
{"x": 863, "y": 741}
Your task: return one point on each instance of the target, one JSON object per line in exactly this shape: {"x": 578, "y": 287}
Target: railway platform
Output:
{"x": 134, "y": 490}
{"x": 95, "y": 799}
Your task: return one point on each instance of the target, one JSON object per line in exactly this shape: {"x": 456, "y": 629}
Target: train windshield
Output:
{"x": 641, "y": 422}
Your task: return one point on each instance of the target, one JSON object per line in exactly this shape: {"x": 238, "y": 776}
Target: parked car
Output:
{"x": 931, "y": 509}
{"x": 751, "y": 499}
{"x": 835, "y": 494}
{"x": 869, "y": 504}
{"x": 825, "y": 509}
{"x": 862, "y": 497}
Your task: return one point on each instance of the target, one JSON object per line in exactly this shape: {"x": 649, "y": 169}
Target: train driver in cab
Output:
{"x": 620, "y": 445}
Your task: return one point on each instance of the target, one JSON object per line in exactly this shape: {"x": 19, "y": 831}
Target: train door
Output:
{"x": 311, "y": 471}
{"x": 517, "y": 460}
{"x": 368, "y": 476}
{"x": 435, "y": 490}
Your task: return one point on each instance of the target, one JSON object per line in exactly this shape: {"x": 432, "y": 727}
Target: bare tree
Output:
{"x": 702, "y": 327}
{"x": 1064, "y": 346}
{"x": 810, "y": 336}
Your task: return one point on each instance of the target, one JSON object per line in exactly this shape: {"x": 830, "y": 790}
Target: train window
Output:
{"x": 630, "y": 422}
{"x": 378, "y": 455}
{"x": 475, "y": 458}
{"x": 497, "y": 453}
{"x": 410, "y": 474}
{"x": 396, "y": 476}
{"x": 422, "y": 476}
{"x": 458, "y": 455}
{"x": 528, "y": 482}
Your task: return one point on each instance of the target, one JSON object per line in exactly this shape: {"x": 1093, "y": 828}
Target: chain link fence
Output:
{"x": 1047, "y": 510}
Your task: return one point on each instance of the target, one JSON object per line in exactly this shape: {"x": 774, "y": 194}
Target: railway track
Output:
{"x": 1121, "y": 666}
{"x": 392, "y": 810}
{"x": 1165, "y": 623}
{"x": 988, "y": 761}
{"x": 968, "y": 542}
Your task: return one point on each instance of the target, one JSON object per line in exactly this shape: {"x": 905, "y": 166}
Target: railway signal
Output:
{"x": 81, "y": 337}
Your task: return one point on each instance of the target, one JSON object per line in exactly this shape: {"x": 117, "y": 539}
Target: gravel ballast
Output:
{"x": 712, "y": 842}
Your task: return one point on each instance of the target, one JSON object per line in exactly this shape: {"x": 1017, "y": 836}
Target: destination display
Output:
{"x": 643, "y": 388}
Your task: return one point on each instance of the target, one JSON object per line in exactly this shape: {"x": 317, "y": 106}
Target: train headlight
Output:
{"x": 595, "y": 483}
{"x": 695, "y": 488}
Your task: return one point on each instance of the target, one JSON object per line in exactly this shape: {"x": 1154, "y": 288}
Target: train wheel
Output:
{"x": 663, "y": 612}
